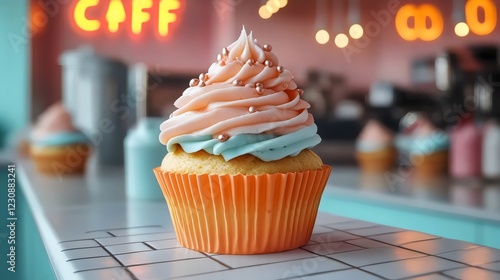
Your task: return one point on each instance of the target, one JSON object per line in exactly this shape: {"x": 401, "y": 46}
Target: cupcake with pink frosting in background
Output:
{"x": 425, "y": 145}
{"x": 375, "y": 150}
{"x": 57, "y": 147}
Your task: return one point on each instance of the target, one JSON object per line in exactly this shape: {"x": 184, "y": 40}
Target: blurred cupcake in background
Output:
{"x": 23, "y": 143}
{"x": 57, "y": 147}
{"x": 375, "y": 149}
{"x": 425, "y": 146}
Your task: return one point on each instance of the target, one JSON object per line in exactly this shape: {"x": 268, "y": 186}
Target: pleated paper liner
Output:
{"x": 243, "y": 214}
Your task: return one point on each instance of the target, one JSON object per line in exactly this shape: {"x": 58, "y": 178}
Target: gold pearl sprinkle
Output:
{"x": 219, "y": 57}
{"x": 267, "y": 48}
{"x": 259, "y": 85}
{"x": 222, "y": 137}
{"x": 251, "y": 61}
{"x": 171, "y": 116}
{"x": 259, "y": 89}
{"x": 280, "y": 69}
{"x": 249, "y": 85}
{"x": 300, "y": 91}
{"x": 222, "y": 62}
{"x": 268, "y": 63}
{"x": 225, "y": 51}
{"x": 252, "y": 109}
{"x": 203, "y": 77}
{"x": 202, "y": 84}
{"x": 237, "y": 82}
{"x": 194, "y": 82}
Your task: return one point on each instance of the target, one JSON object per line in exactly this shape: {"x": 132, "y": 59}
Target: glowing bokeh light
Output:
{"x": 341, "y": 40}
{"x": 322, "y": 36}
{"x": 264, "y": 13}
{"x": 461, "y": 29}
{"x": 356, "y": 31}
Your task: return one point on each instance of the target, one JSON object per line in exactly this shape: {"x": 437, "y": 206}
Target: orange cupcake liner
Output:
{"x": 68, "y": 161}
{"x": 243, "y": 214}
{"x": 377, "y": 162}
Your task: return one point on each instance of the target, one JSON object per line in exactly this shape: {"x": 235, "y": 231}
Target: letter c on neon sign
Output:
{"x": 79, "y": 15}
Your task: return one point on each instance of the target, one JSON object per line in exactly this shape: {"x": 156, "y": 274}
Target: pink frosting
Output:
{"x": 424, "y": 128}
{"x": 54, "y": 120}
{"x": 375, "y": 132}
{"x": 229, "y": 103}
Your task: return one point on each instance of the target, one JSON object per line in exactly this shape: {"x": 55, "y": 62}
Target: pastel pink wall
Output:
{"x": 207, "y": 26}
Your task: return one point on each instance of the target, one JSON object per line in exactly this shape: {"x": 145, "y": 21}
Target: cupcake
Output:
{"x": 426, "y": 147}
{"x": 57, "y": 147}
{"x": 375, "y": 150}
{"x": 239, "y": 176}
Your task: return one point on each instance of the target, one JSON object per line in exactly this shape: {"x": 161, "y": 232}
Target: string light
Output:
{"x": 341, "y": 40}
{"x": 264, "y": 13}
{"x": 354, "y": 18}
{"x": 356, "y": 31}
{"x": 271, "y": 7}
{"x": 322, "y": 36}
{"x": 461, "y": 29}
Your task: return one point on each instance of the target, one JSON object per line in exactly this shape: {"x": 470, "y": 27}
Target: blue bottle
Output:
{"x": 143, "y": 152}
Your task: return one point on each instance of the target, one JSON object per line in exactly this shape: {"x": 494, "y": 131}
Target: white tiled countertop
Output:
{"x": 92, "y": 231}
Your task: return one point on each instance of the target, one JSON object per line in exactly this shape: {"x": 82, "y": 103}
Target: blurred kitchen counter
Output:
{"x": 336, "y": 152}
{"x": 462, "y": 209}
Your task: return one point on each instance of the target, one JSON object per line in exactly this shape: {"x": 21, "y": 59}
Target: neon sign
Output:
{"x": 489, "y": 22}
{"x": 425, "y": 21}
{"x": 420, "y": 15}
{"x": 135, "y": 18}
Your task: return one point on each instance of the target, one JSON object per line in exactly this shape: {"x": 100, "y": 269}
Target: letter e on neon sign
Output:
{"x": 472, "y": 16}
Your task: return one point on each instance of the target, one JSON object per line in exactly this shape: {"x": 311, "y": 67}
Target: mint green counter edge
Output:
{"x": 446, "y": 225}
{"x": 15, "y": 72}
{"x": 32, "y": 260}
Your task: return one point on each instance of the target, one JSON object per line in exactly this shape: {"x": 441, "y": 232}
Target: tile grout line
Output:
{"x": 111, "y": 255}
{"x": 78, "y": 248}
{"x": 75, "y": 240}
{"x": 101, "y": 268}
{"x": 216, "y": 260}
{"x": 146, "y": 243}
{"x": 124, "y": 228}
{"x": 349, "y": 265}
{"x": 120, "y": 254}
{"x": 134, "y": 241}
{"x": 400, "y": 247}
{"x": 157, "y": 262}
{"x": 118, "y": 261}
{"x": 319, "y": 273}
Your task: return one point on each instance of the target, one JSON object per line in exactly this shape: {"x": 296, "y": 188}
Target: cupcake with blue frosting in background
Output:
{"x": 56, "y": 146}
{"x": 425, "y": 146}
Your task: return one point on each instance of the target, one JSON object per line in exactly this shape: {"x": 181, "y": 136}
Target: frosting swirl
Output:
{"x": 245, "y": 104}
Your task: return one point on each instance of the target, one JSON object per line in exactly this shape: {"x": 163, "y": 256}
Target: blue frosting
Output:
{"x": 63, "y": 138}
{"x": 438, "y": 141}
{"x": 267, "y": 147}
